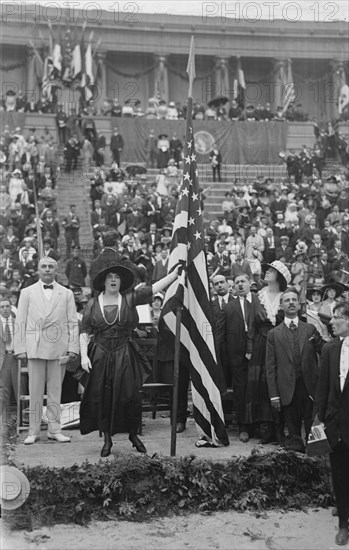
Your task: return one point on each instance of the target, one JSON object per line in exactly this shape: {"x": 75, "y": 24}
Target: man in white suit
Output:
{"x": 46, "y": 330}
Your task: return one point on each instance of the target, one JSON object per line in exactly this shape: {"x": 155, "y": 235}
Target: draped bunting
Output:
{"x": 13, "y": 119}
{"x": 239, "y": 142}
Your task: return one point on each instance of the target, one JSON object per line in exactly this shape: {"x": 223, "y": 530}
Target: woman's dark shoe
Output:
{"x": 269, "y": 436}
{"x": 136, "y": 442}
{"x": 106, "y": 449}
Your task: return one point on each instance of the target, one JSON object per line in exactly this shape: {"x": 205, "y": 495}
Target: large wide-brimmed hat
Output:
{"x": 111, "y": 261}
{"x": 282, "y": 269}
{"x": 312, "y": 289}
{"x": 15, "y": 488}
{"x": 339, "y": 288}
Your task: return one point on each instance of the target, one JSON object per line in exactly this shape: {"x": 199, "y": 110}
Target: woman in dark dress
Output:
{"x": 117, "y": 370}
{"x": 258, "y": 408}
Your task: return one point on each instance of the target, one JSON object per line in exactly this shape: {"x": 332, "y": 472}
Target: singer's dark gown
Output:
{"x": 111, "y": 401}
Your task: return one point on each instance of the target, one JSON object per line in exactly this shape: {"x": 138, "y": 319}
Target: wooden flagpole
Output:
{"x": 176, "y": 380}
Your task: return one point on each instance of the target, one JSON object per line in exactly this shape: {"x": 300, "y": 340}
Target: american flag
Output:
{"x": 191, "y": 292}
{"x": 288, "y": 87}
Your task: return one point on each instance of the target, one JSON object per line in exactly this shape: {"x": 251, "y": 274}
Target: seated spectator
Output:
{"x": 235, "y": 111}
{"x": 210, "y": 113}
{"x": 267, "y": 113}
{"x": 172, "y": 113}
{"x": 162, "y": 109}
{"x": 250, "y": 113}
{"x": 116, "y": 109}
{"x": 279, "y": 115}
{"x": 127, "y": 109}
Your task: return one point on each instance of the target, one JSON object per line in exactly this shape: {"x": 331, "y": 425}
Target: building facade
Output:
{"x": 138, "y": 56}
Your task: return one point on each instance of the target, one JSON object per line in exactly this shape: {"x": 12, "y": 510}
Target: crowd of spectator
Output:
{"x": 158, "y": 108}
{"x": 260, "y": 222}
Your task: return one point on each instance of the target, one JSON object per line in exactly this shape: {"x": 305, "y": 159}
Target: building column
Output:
{"x": 31, "y": 89}
{"x": 102, "y": 80}
{"x": 222, "y": 77}
{"x": 338, "y": 80}
{"x": 161, "y": 78}
{"x": 280, "y": 75}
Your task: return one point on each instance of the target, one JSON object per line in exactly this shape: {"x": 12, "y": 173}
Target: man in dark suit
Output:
{"x": 240, "y": 266}
{"x": 332, "y": 405}
{"x": 116, "y": 145}
{"x": 292, "y": 366}
{"x": 8, "y": 364}
{"x": 284, "y": 252}
{"x": 235, "y": 331}
{"x": 153, "y": 236}
{"x": 270, "y": 245}
{"x": 219, "y": 303}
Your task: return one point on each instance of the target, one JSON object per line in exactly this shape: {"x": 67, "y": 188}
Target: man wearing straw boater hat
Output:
{"x": 46, "y": 333}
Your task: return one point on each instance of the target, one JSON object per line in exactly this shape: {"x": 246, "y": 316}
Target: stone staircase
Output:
{"x": 74, "y": 189}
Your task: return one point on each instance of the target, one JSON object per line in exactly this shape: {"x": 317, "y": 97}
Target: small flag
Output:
{"x": 191, "y": 67}
{"x": 239, "y": 85}
{"x": 288, "y": 87}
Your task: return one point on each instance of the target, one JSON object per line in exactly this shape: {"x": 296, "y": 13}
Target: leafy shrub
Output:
{"x": 139, "y": 488}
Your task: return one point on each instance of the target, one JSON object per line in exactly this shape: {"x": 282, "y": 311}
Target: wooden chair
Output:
{"x": 156, "y": 396}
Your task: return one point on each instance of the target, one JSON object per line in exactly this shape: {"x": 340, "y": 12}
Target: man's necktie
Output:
{"x": 8, "y": 333}
{"x": 222, "y": 303}
{"x": 246, "y": 310}
{"x": 48, "y": 287}
{"x": 293, "y": 326}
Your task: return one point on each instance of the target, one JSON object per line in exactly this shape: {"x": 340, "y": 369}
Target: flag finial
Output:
{"x": 191, "y": 67}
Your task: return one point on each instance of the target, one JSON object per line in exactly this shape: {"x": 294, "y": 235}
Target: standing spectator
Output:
{"x": 270, "y": 243}
{"x": 292, "y": 366}
{"x": 42, "y": 308}
{"x": 71, "y": 224}
{"x": 48, "y": 250}
{"x": 100, "y": 149}
{"x": 160, "y": 268}
{"x": 61, "y": 121}
{"x": 116, "y": 145}
{"x": 50, "y": 227}
{"x": 176, "y": 148}
{"x": 258, "y": 407}
{"x": 235, "y": 327}
{"x": 284, "y": 252}
{"x": 220, "y": 263}
{"x": 151, "y": 150}
{"x": 71, "y": 153}
{"x": 332, "y": 403}
{"x": 86, "y": 154}
{"x": 75, "y": 269}
{"x": 163, "y": 147}
{"x": 8, "y": 363}
{"x": 215, "y": 158}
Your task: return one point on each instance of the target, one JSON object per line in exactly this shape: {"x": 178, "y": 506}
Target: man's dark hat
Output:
{"x": 159, "y": 244}
{"x": 110, "y": 261}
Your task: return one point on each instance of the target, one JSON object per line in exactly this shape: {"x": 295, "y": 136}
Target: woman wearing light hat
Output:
{"x": 258, "y": 408}
{"x": 111, "y": 401}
